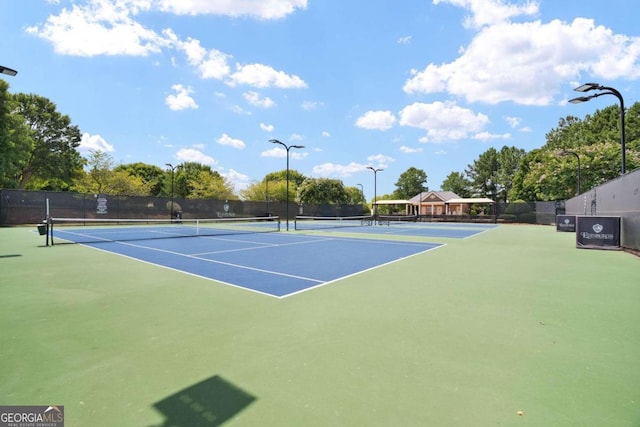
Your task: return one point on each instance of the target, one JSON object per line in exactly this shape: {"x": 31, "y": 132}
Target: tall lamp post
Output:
{"x": 573, "y": 153}
{"x": 605, "y": 91}
{"x": 286, "y": 147}
{"x": 375, "y": 188}
{"x": 173, "y": 169}
{"x": 7, "y": 71}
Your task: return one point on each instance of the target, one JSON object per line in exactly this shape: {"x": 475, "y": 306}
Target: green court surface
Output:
{"x": 514, "y": 319}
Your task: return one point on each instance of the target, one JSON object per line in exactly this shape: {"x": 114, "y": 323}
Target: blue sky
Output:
{"x": 390, "y": 84}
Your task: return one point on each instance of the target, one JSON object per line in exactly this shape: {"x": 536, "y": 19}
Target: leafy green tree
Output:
{"x": 100, "y": 166}
{"x": 483, "y": 174}
{"x": 544, "y": 174}
{"x": 14, "y": 140}
{"x": 410, "y": 183}
{"x": 355, "y": 196}
{"x": 53, "y": 141}
{"x": 151, "y": 175}
{"x": 102, "y": 178}
{"x": 277, "y": 182}
{"x": 457, "y": 183}
{"x": 508, "y": 162}
{"x": 322, "y": 191}
{"x": 211, "y": 185}
{"x": 192, "y": 180}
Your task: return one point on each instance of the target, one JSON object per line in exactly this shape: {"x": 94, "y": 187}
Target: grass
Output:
{"x": 514, "y": 319}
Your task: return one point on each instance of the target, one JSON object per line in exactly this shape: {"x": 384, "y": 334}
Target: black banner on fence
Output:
{"x": 598, "y": 232}
{"x": 566, "y": 223}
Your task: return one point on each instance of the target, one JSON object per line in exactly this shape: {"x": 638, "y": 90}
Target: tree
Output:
{"x": 355, "y": 196}
{"x": 410, "y": 183}
{"x": 322, "y": 191}
{"x": 14, "y": 140}
{"x": 151, "y": 175}
{"x": 543, "y": 174}
{"x": 192, "y": 180}
{"x": 483, "y": 174}
{"x": 51, "y": 153}
{"x": 457, "y": 183}
{"x": 548, "y": 175}
{"x": 102, "y": 178}
{"x": 278, "y": 184}
{"x": 508, "y": 162}
{"x": 211, "y": 185}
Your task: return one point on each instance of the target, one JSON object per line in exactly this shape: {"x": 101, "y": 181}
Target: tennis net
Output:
{"x": 396, "y": 219}
{"x": 304, "y": 222}
{"x": 95, "y": 230}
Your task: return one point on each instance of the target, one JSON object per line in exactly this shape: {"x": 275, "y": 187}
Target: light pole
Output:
{"x": 7, "y": 71}
{"x": 606, "y": 91}
{"x": 173, "y": 169}
{"x": 564, "y": 153}
{"x": 286, "y": 147}
{"x": 375, "y": 187}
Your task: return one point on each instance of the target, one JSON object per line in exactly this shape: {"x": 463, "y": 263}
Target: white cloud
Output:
{"x": 230, "y": 142}
{"x": 489, "y": 12}
{"x": 239, "y": 110}
{"x": 254, "y": 99}
{"x": 261, "y": 9}
{"x": 215, "y": 65}
{"x": 298, "y": 155}
{"x": 406, "y": 149}
{"x": 100, "y": 28}
{"x": 274, "y": 152}
{"x": 380, "y": 120}
{"x": 281, "y": 152}
{"x": 211, "y": 64}
{"x": 193, "y": 155}
{"x": 326, "y": 134}
{"x": 262, "y": 76}
{"x": 404, "y": 40}
{"x": 182, "y": 99}
{"x": 296, "y": 137}
{"x": 267, "y": 128}
{"x": 528, "y": 63}
{"x": 486, "y": 136}
{"x": 310, "y": 105}
{"x": 514, "y": 122}
{"x": 94, "y": 143}
{"x": 381, "y": 160}
{"x": 335, "y": 170}
{"x": 443, "y": 121}
{"x": 237, "y": 180}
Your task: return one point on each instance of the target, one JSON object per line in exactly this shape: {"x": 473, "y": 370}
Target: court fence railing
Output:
{"x": 22, "y": 207}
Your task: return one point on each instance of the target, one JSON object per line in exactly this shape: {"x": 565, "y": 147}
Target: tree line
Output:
{"x": 39, "y": 151}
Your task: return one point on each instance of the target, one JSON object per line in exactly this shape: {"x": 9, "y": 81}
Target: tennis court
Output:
{"x": 248, "y": 253}
{"x": 513, "y": 326}
{"x": 394, "y": 226}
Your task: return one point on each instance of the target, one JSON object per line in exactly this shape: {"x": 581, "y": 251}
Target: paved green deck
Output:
{"x": 515, "y": 319}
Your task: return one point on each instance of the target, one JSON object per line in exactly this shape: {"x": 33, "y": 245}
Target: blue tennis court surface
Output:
{"x": 399, "y": 228}
{"x": 253, "y": 255}
{"x": 276, "y": 264}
